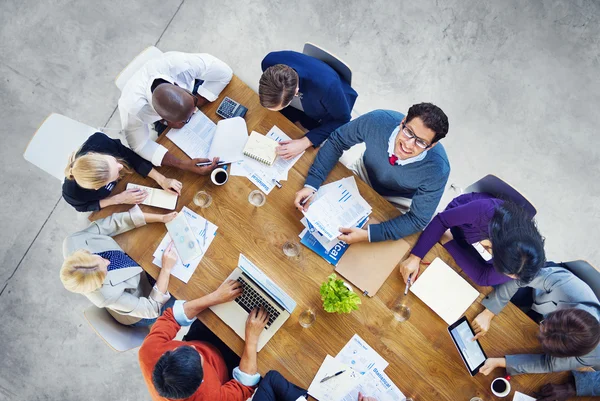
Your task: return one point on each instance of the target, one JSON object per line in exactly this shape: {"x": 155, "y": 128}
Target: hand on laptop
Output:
{"x": 228, "y": 291}
{"x": 257, "y": 320}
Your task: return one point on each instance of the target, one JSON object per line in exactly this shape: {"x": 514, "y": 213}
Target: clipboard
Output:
{"x": 377, "y": 259}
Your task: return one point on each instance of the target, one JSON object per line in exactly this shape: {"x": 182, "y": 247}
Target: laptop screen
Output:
{"x": 266, "y": 284}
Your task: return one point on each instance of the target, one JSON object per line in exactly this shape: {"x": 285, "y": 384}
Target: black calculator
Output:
{"x": 230, "y": 108}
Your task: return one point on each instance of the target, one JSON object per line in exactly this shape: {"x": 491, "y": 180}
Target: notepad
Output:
{"x": 261, "y": 148}
{"x": 444, "y": 291}
{"x": 156, "y": 197}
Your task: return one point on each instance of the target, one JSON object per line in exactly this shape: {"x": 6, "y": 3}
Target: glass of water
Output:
{"x": 307, "y": 318}
{"x": 257, "y": 198}
{"x": 401, "y": 312}
{"x": 202, "y": 199}
{"x": 291, "y": 249}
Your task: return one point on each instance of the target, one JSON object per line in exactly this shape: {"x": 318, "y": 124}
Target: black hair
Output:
{"x": 517, "y": 245}
{"x": 178, "y": 373}
{"x": 432, "y": 116}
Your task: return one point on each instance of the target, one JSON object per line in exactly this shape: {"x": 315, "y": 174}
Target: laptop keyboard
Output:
{"x": 251, "y": 299}
{"x": 227, "y": 107}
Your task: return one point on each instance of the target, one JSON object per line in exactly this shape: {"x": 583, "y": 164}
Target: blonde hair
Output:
{"x": 92, "y": 170}
{"x": 81, "y": 272}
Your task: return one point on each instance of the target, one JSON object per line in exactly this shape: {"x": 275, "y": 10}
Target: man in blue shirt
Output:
{"x": 309, "y": 93}
{"x": 403, "y": 161}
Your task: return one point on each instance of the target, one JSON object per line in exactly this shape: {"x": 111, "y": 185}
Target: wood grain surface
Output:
{"x": 424, "y": 362}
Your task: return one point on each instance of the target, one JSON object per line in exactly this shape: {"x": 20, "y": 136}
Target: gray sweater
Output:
{"x": 422, "y": 181}
{"x": 553, "y": 288}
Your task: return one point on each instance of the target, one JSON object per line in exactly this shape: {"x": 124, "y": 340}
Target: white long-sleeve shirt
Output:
{"x": 135, "y": 104}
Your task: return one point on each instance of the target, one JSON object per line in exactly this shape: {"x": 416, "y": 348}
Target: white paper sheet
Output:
{"x": 195, "y": 137}
{"x": 444, "y": 291}
{"x": 197, "y": 223}
{"x": 334, "y": 388}
{"x": 360, "y": 356}
{"x": 229, "y": 140}
{"x": 375, "y": 383}
{"x": 522, "y": 397}
{"x": 338, "y": 207}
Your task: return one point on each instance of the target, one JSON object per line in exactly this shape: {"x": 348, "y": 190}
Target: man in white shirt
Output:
{"x": 167, "y": 91}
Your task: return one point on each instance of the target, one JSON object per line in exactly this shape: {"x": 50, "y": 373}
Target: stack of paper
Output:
{"x": 261, "y": 175}
{"x": 363, "y": 372}
{"x": 336, "y": 205}
{"x": 204, "y": 231}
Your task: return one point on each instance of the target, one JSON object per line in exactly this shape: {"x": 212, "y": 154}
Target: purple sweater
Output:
{"x": 469, "y": 215}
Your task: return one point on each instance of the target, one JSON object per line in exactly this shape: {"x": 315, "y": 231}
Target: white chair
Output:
{"x": 330, "y": 59}
{"x": 497, "y": 187}
{"x": 149, "y": 53}
{"x": 54, "y": 141}
{"x": 117, "y": 336}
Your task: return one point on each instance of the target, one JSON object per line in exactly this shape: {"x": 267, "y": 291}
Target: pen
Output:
{"x": 203, "y": 164}
{"x": 332, "y": 376}
{"x": 205, "y": 228}
{"x": 407, "y": 285}
{"x": 277, "y": 183}
{"x": 307, "y": 198}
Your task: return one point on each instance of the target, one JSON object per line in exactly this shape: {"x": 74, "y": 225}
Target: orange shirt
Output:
{"x": 216, "y": 385}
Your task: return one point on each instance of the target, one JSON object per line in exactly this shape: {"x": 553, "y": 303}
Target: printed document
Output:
{"x": 360, "y": 356}
{"x": 195, "y": 137}
{"x": 200, "y": 227}
{"x": 375, "y": 384}
{"x": 334, "y": 388}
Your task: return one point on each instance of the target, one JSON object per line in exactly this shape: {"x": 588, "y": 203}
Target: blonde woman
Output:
{"x": 97, "y": 267}
{"x": 93, "y": 172}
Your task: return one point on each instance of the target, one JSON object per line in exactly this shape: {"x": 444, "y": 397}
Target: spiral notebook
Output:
{"x": 261, "y": 148}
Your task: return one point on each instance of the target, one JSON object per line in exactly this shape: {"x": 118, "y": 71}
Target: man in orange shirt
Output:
{"x": 197, "y": 370}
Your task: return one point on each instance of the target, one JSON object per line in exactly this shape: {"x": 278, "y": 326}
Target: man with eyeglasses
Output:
{"x": 403, "y": 161}
{"x": 166, "y": 92}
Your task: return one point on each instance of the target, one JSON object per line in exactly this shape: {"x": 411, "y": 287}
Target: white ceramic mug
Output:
{"x": 219, "y": 172}
{"x": 500, "y": 381}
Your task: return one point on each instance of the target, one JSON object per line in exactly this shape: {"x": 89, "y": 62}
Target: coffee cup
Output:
{"x": 500, "y": 387}
{"x": 219, "y": 176}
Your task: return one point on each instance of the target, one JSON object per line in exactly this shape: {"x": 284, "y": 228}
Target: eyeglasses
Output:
{"x": 410, "y": 135}
{"x": 195, "y": 105}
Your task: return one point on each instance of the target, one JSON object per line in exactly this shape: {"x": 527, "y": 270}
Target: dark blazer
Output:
{"x": 326, "y": 97}
{"x": 88, "y": 200}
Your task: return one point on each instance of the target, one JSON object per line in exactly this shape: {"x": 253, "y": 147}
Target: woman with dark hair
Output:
{"x": 569, "y": 339}
{"x": 492, "y": 240}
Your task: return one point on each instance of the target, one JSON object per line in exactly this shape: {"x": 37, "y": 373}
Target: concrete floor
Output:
{"x": 518, "y": 80}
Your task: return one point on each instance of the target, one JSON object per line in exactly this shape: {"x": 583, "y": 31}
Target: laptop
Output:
{"x": 258, "y": 290}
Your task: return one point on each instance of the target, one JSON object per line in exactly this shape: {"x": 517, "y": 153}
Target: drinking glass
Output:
{"x": 401, "y": 312}
{"x": 257, "y": 198}
{"x": 202, "y": 199}
{"x": 291, "y": 249}
{"x": 307, "y": 318}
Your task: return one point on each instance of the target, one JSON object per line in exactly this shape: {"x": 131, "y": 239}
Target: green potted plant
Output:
{"x": 337, "y": 297}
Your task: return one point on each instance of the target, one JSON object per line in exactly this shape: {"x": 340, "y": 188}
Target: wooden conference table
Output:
{"x": 423, "y": 361}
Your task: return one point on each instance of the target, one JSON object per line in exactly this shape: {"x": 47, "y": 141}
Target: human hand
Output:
{"x": 290, "y": 149}
{"x": 257, "y": 320}
{"x": 409, "y": 268}
{"x": 365, "y": 398}
{"x": 491, "y": 364}
{"x": 201, "y": 170}
{"x": 131, "y": 196}
{"x": 228, "y": 291}
{"x": 301, "y": 196}
{"x": 353, "y": 235}
{"x": 171, "y": 185}
{"x": 481, "y": 323}
{"x": 169, "y": 257}
{"x": 557, "y": 392}
{"x": 165, "y": 218}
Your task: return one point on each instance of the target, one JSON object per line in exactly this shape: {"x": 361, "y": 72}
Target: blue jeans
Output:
{"x": 149, "y": 322}
{"x": 275, "y": 387}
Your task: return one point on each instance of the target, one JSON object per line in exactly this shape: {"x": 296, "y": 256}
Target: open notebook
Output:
{"x": 261, "y": 148}
{"x": 156, "y": 197}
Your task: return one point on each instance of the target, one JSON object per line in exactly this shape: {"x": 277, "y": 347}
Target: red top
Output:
{"x": 216, "y": 385}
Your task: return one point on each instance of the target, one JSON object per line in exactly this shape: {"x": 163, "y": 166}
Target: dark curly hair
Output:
{"x": 432, "y": 116}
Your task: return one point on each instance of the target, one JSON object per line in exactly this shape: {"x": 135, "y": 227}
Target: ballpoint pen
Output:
{"x": 203, "y": 164}
{"x": 205, "y": 228}
{"x": 332, "y": 376}
{"x": 307, "y": 198}
{"x": 407, "y": 285}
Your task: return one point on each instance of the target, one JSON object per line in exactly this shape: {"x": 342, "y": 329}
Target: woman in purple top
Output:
{"x": 491, "y": 240}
